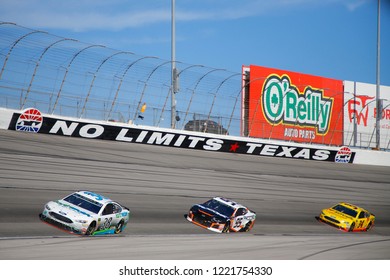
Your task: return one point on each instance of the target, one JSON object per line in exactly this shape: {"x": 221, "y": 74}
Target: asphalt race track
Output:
{"x": 160, "y": 184}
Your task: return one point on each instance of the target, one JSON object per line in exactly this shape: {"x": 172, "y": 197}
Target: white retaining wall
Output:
{"x": 369, "y": 157}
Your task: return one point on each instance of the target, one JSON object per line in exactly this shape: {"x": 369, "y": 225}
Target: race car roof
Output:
{"x": 351, "y": 206}
{"x": 94, "y": 196}
{"x": 229, "y": 202}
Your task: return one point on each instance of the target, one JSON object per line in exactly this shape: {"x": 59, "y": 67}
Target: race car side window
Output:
{"x": 109, "y": 209}
{"x": 362, "y": 215}
{"x": 117, "y": 208}
{"x": 240, "y": 212}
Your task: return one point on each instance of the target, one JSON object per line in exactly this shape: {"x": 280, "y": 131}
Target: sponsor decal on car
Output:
{"x": 143, "y": 136}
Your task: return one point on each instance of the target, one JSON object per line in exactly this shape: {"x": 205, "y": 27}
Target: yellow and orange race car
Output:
{"x": 347, "y": 217}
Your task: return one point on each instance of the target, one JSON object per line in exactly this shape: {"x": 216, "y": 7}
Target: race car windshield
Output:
{"x": 219, "y": 207}
{"x": 345, "y": 210}
{"x": 84, "y": 202}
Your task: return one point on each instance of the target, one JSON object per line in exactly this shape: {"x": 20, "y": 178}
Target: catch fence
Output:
{"x": 63, "y": 76}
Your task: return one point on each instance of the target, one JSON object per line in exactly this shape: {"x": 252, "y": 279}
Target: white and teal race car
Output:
{"x": 86, "y": 213}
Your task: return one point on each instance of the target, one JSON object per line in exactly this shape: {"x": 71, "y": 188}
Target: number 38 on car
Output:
{"x": 222, "y": 215}
{"x": 86, "y": 213}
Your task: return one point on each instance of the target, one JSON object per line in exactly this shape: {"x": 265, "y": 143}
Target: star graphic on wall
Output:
{"x": 234, "y": 147}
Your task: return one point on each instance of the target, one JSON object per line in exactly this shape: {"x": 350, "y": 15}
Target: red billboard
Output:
{"x": 290, "y": 106}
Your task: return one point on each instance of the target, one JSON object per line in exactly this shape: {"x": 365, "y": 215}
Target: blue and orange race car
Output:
{"x": 222, "y": 215}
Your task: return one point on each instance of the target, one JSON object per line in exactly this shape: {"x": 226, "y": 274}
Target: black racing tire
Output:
{"x": 119, "y": 227}
{"x": 369, "y": 226}
{"x": 91, "y": 229}
{"x": 351, "y": 228}
{"x": 247, "y": 227}
{"x": 226, "y": 228}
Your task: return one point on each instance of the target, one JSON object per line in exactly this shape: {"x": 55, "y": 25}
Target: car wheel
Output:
{"x": 352, "y": 227}
{"x": 91, "y": 228}
{"x": 119, "y": 226}
{"x": 226, "y": 228}
{"x": 247, "y": 227}
{"x": 369, "y": 226}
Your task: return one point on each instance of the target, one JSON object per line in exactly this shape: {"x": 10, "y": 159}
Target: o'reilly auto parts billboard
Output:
{"x": 290, "y": 106}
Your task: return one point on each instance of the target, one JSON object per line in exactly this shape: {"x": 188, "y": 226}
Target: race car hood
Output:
{"x": 337, "y": 214}
{"x": 69, "y": 210}
{"x": 209, "y": 212}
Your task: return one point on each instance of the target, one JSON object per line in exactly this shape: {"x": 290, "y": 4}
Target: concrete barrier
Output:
{"x": 31, "y": 120}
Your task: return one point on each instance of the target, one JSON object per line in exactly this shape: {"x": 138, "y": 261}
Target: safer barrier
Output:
{"x": 33, "y": 121}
